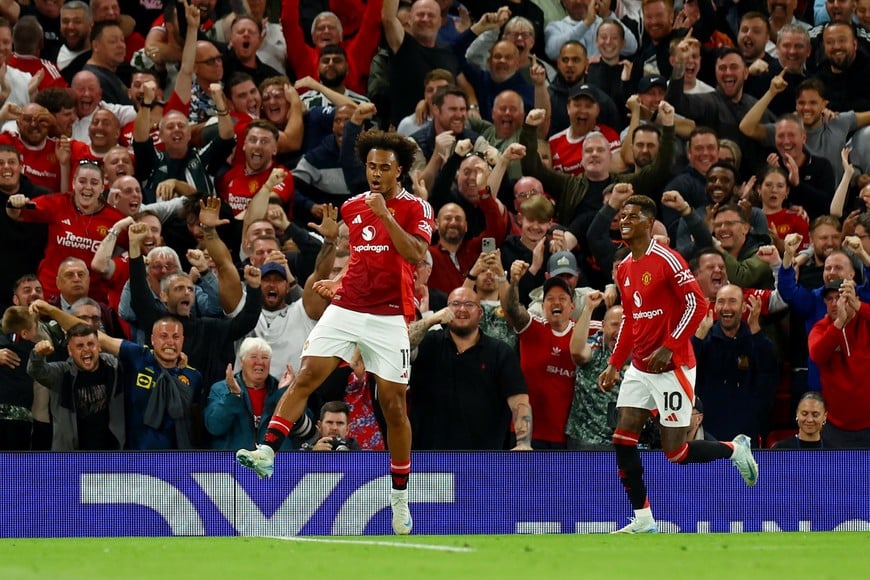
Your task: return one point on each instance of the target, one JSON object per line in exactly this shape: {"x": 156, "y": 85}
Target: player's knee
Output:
{"x": 677, "y": 455}
{"x": 626, "y": 438}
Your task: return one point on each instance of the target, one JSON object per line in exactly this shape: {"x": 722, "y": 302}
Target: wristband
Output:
{"x": 473, "y": 107}
{"x": 471, "y": 277}
{"x": 150, "y": 105}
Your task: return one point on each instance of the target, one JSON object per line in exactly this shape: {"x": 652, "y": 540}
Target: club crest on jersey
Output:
{"x": 638, "y": 302}
{"x": 252, "y": 186}
{"x": 102, "y": 230}
{"x": 646, "y": 278}
{"x": 368, "y": 233}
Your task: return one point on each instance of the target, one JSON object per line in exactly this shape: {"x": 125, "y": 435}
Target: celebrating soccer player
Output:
{"x": 663, "y": 305}
{"x": 372, "y": 301}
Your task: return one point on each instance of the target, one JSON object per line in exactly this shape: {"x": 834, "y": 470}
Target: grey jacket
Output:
{"x": 54, "y": 375}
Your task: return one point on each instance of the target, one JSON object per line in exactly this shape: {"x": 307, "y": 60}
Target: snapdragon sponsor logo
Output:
{"x": 648, "y": 314}
{"x": 376, "y": 248}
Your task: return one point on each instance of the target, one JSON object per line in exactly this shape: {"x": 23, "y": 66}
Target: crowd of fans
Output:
{"x": 173, "y": 173}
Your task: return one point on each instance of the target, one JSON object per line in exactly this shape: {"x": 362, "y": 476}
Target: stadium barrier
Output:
{"x": 206, "y": 493}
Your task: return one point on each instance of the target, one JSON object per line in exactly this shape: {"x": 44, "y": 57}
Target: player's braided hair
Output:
{"x": 404, "y": 149}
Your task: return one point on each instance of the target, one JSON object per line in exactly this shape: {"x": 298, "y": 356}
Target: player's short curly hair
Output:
{"x": 403, "y": 148}
{"x": 646, "y": 204}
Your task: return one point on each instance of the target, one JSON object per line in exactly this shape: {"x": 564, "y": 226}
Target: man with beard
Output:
{"x": 286, "y": 326}
{"x": 467, "y": 388}
{"x": 694, "y": 225}
{"x": 545, "y": 355}
{"x": 844, "y": 70}
{"x": 448, "y": 125}
{"x": 567, "y": 146}
{"x": 209, "y": 341}
{"x": 327, "y": 30}
{"x": 86, "y": 391}
{"x": 28, "y": 240}
{"x": 332, "y": 69}
{"x": 245, "y": 177}
{"x": 723, "y": 108}
{"x": 453, "y": 255}
{"x": 753, "y": 36}
{"x": 572, "y": 65}
{"x": 38, "y": 158}
{"x": 502, "y": 70}
{"x": 75, "y": 29}
{"x": 835, "y": 12}
{"x": 738, "y": 370}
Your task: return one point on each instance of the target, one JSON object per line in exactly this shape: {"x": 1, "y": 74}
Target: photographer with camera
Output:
{"x": 332, "y": 430}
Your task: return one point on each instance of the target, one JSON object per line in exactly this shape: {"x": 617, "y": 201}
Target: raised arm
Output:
{"x": 102, "y": 262}
{"x": 509, "y": 296}
{"x": 229, "y": 282}
{"x": 581, "y": 351}
{"x": 334, "y": 97}
{"x": 751, "y": 124}
{"x": 184, "y": 80}
{"x": 67, "y": 321}
{"x": 312, "y": 302}
{"x": 839, "y": 200}
{"x": 394, "y": 32}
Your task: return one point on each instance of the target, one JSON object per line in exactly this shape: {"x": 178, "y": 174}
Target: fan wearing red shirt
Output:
{"x": 372, "y": 300}
{"x": 545, "y": 354}
{"x": 773, "y": 189}
{"x": 662, "y": 306}
{"x": 246, "y": 176}
{"x": 77, "y": 224}
{"x": 325, "y": 30}
{"x": 38, "y": 159}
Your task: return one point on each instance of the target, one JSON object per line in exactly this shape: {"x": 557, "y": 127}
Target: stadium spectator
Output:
{"x": 239, "y": 407}
{"x": 75, "y": 30}
{"x": 592, "y": 416}
{"x": 739, "y": 248}
{"x": 811, "y": 417}
{"x": 245, "y": 39}
{"x": 333, "y": 430}
{"x": 834, "y": 346}
{"x": 20, "y": 329}
{"x": 76, "y": 224}
{"x": 545, "y": 354}
{"x": 87, "y": 391}
{"x": 737, "y": 372}
{"x": 467, "y": 388}
{"x": 108, "y": 53}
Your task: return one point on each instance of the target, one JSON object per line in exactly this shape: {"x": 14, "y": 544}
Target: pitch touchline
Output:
{"x": 432, "y": 547}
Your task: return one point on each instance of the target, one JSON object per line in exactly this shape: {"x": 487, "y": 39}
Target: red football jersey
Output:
{"x": 568, "y": 153}
{"x": 70, "y": 234}
{"x": 788, "y": 222}
{"x": 34, "y": 64}
{"x": 545, "y": 357}
{"x": 238, "y": 188}
{"x": 662, "y": 306}
{"x": 39, "y": 165}
{"x": 378, "y": 279}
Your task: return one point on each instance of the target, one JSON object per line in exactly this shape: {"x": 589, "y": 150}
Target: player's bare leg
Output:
{"x": 286, "y": 418}
{"x": 392, "y": 399}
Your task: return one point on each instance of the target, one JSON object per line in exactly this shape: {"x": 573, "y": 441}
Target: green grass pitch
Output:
{"x": 815, "y": 555}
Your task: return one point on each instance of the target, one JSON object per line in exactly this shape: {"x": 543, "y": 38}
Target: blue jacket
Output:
{"x": 230, "y": 418}
{"x": 809, "y": 305}
{"x": 736, "y": 380}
